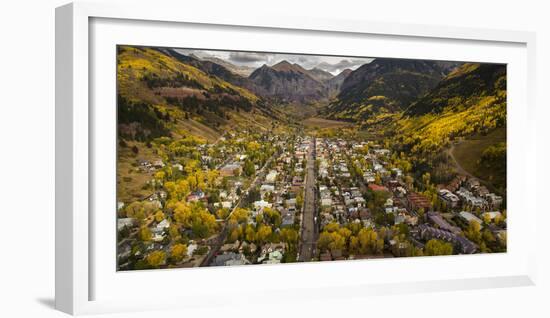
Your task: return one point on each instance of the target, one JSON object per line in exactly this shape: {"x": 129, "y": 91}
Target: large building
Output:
{"x": 438, "y": 220}
{"x": 417, "y": 201}
{"x": 464, "y": 245}
{"x": 469, "y": 217}
{"x": 448, "y": 197}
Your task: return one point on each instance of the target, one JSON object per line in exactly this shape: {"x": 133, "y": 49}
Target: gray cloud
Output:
{"x": 248, "y": 57}
{"x": 344, "y": 64}
{"x": 332, "y": 64}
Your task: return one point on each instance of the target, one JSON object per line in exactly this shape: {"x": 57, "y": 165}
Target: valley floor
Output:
{"x": 264, "y": 197}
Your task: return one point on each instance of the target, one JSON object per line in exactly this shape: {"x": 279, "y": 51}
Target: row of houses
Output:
{"x": 337, "y": 203}
{"x": 464, "y": 192}
{"x": 464, "y": 245}
{"x": 278, "y": 190}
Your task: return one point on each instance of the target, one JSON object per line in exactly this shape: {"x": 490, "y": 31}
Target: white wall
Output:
{"x": 27, "y": 157}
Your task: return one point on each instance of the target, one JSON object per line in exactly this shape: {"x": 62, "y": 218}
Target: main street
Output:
{"x": 308, "y": 238}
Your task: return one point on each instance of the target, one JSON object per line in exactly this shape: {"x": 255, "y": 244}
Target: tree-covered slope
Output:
{"x": 213, "y": 67}
{"x": 462, "y": 88}
{"x": 471, "y": 100}
{"x": 159, "y": 95}
{"x": 384, "y": 86}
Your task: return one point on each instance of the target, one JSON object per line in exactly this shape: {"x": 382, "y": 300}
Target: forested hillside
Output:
{"x": 470, "y": 100}
{"x": 159, "y": 94}
{"x": 384, "y": 86}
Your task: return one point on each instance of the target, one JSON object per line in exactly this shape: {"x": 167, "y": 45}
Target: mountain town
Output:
{"x": 221, "y": 161}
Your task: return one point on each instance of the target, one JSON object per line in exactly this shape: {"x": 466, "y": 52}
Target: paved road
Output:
{"x": 218, "y": 242}
{"x": 308, "y": 238}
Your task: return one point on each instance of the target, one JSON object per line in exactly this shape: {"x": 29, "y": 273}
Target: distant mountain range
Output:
{"x": 240, "y": 70}
{"x": 162, "y": 92}
{"x": 214, "y": 91}
{"x": 292, "y": 83}
{"x": 320, "y": 75}
{"x": 283, "y": 82}
{"x": 223, "y": 71}
{"x": 335, "y": 83}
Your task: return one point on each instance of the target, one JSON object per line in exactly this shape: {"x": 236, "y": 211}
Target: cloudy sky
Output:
{"x": 331, "y": 64}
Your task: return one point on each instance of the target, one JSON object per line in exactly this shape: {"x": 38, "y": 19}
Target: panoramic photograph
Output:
{"x": 229, "y": 158}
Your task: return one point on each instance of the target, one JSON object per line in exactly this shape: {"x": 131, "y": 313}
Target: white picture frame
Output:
{"x": 77, "y": 271}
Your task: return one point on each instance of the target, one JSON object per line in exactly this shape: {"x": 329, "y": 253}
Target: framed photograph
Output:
{"x": 233, "y": 156}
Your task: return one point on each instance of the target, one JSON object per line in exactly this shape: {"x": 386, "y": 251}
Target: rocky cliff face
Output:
{"x": 334, "y": 85}
{"x": 287, "y": 83}
{"x": 320, "y": 75}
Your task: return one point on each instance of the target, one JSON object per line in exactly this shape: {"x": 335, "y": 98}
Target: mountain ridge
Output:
{"x": 335, "y": 83}
{"x": 320, "y": 75}
{"x": 466, "y": 82}
{"x": 287, "y": 82}
{"x": 160, "y": 90}
{"x": 384, "y": 86}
